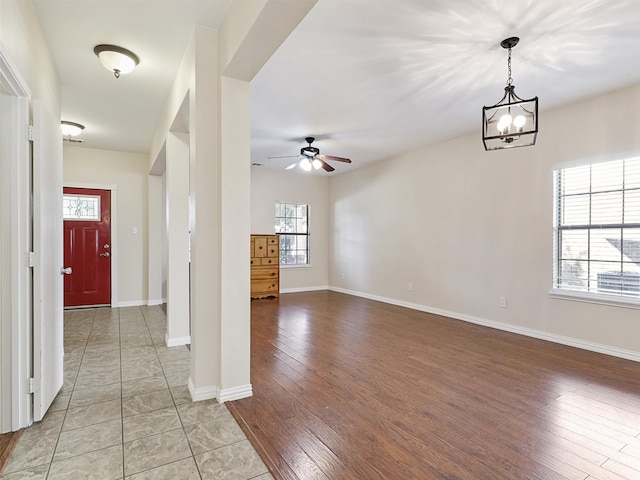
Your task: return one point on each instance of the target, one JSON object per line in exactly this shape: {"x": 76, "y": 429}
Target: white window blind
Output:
{"x": 597, "y": 228}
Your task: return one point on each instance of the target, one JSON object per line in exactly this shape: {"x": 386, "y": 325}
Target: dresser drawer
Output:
{"x": 264, "y": 288}
{"x": 264, "y": 273}
{"x": 259, "y": 247}
{"x": 268, "y": 261}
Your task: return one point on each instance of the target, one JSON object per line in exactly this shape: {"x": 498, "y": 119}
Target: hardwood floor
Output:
{"x": 348, "y": 388}
{"x": 7, "y": 443}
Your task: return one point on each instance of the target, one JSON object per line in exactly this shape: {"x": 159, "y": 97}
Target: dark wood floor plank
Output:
{"x": 349, "y": 388}
{"x": 7, "y": 443}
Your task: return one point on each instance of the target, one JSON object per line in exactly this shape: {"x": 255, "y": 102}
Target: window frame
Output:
{"x": 306, "y": 234}
{"x": 590, "y": 293}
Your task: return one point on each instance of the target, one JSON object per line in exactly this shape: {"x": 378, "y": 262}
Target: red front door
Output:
{"x": 87, "y": 247}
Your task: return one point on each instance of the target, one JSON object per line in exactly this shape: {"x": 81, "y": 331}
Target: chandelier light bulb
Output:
{"x": 316, "y": 163}
{"x": 504, "y": 123}
{"x": 519, "y": 122}
{"x": 305, "y": 164}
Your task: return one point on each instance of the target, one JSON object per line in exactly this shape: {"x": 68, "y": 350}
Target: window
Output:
{"x": 292, "y": 224}
{"x": 597, "y": 229}
{"x": 81, "y": 207}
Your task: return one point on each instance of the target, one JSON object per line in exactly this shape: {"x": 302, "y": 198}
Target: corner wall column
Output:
{"x": 177, "y": 210}
{"x": 157, "y": 240}
{"x": 236, "y": 223}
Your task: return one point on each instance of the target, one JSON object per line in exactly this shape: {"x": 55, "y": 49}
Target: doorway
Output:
{"x": 87, "y": 247}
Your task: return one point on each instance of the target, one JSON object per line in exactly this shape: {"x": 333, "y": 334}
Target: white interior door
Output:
{"x": 48, "y": 341}
{"x": 15, "y": 242}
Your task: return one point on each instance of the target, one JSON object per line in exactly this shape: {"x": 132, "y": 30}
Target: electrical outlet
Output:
{"x": 411, "y": 286}
{"x": 503, "y": 302}
{"x": 342, "y": 275}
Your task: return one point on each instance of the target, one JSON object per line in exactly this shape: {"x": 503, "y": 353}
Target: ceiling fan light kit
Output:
{"x": 116, "y": 59}
{"x": 311, "y": 159}
{"x": 513, "y": 121}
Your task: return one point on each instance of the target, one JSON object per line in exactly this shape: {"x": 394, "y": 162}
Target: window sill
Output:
{"x": 599, "y": 298}
{"x": 294, "y": 267}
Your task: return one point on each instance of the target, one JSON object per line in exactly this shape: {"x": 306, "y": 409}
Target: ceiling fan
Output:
{"x": 310, "y": 158}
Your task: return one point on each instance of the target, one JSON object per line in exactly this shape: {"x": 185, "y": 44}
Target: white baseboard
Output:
{"x": 132, "y": 303}
{"x": 203, "y": 393}
{"x": 235, "y": 393}
{"x": 304, "y": 289}
{"x": 177, "y": 341}
{"x": 153, "y": 303}
{"x": 551, "y": 337}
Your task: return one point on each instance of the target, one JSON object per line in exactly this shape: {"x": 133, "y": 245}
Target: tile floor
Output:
{"x": 124, "y": 411}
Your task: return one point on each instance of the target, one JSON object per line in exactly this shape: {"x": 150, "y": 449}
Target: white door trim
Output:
{"x": 15, "y": 232}
{"x": 114, "y": 231}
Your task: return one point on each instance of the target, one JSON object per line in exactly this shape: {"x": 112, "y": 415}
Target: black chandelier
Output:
{"x": 512, "y": 122}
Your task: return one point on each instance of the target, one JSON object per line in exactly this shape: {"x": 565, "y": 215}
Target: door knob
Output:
{"x": 105, "y": 254}
{"x": 65, "y": 271}
{"x": 106, "y": 245}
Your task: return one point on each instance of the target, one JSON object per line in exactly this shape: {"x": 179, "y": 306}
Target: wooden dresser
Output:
{"x": 265, "y": 266}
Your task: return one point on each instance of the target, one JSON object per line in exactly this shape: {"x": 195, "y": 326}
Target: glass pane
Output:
{"x": 573, "y": 274}
{"x": 81, "y": 207}
{"x": 607, "y": 176}
{"x": 606, "y": 245}
{"x": 621, "y": 282}
{"x": 575, "y": 210}
{"x": 631, "y": 248}
{"x": 632, "y": 206}
{"x": 606, "y": 208}
{"x": 575, "y": 180}
{"x": 575, "y": 244}
{"x": 632, "y": 173}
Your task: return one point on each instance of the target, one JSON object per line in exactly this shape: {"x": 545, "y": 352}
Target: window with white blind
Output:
{"x": 597, "y": 229}
{"x": 292, "y": 226}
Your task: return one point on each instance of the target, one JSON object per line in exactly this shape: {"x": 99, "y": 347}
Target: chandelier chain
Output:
{"x": 509, "y": 80}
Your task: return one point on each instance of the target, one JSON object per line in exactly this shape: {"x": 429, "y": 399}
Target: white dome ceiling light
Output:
{"x": 71, "y": 129}
{"x": 116, "y": 59}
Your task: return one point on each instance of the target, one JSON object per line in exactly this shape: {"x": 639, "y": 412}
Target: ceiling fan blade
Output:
{"x": 284, "y": 156}
{"x": 325, "y": 165}
{"x": 293, "y": 165}
{"x": 335, "y": 159}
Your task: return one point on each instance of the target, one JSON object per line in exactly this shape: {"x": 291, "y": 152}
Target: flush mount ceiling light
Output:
{"x": 116, "y": 59}
{"x": 512, "y": 122}
{"x": 71, "y": 129}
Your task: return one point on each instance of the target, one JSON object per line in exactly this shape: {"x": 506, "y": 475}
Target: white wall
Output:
{"x": 128, "y": 171}
{"x": 467, "y": 226}
{"x": 270, "y": 186}
{"x": 26, "y": 51}
{"x": 22, "y": 36}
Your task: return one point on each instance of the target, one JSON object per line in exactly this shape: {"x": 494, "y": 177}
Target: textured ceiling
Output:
{"x": 368, "y": 78}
